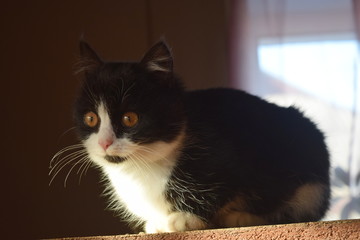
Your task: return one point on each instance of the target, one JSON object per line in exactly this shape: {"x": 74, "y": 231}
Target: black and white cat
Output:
{"x": 181, "y": 160}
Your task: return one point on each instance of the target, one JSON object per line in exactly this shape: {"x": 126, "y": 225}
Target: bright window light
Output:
{"x": 325, "y": 69}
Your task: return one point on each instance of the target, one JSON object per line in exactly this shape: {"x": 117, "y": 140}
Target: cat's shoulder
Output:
{"x": 217, "y": 92}
{"x": 223, "y": 97}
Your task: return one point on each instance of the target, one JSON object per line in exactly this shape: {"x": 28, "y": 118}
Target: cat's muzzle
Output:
{"x": 115, "y": 159}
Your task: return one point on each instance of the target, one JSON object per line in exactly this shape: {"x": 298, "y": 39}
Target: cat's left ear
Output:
{"x": 89, "y": 59}
{"x": 158, "y": 59}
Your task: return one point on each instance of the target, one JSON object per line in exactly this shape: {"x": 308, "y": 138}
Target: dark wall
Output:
{"x": 38, "y": 48}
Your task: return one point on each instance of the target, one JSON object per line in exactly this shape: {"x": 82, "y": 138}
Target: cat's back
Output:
{"x": 235, "y": 110}
{"x": 240, "y": 124}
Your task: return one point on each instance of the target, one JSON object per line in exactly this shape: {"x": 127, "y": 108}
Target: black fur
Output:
{"x": 243, "y": 145}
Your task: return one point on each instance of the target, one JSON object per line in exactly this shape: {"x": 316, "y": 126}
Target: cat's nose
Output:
{"x": 105, "y": 143}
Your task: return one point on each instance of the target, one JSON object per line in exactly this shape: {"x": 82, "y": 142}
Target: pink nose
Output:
{"x": 105, "y": 143}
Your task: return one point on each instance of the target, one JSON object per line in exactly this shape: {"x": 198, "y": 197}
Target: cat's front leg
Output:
{"x": 176, "y": 222}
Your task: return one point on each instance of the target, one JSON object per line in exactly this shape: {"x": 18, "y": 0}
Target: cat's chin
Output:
{"x": 115, "y": 159}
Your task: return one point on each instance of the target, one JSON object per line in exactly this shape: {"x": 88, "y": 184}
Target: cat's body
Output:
{"x": 179, "y": 160}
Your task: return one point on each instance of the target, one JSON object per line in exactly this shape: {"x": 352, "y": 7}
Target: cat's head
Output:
{"x": 129, "y": 111}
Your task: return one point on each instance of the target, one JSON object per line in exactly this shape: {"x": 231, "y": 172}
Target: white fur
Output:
{"x": 176, "y": 221}
{"x": 137, "y": 185}
{"x": 154, "y": 65}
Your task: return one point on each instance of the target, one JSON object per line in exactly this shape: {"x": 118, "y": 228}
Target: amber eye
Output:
{"x": 91, "y": 119}
{"x": 130, "y": 119}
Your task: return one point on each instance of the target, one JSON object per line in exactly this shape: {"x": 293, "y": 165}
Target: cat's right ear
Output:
{"x": 89, "y": 60}
{"x": 158, "y": 59}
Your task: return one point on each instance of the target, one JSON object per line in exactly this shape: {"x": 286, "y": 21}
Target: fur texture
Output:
{"x": 197, "y": 159}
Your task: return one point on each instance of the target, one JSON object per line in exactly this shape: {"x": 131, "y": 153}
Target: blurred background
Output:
{"x": 302, "y": 53}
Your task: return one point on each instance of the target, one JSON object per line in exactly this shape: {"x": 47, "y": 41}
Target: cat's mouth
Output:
{"x": 115, "y": 159}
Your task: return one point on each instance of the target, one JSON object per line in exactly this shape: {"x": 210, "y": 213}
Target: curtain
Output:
{"x": 306, "y": 53}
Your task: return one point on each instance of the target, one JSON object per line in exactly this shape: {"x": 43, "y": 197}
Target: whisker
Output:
{"x": 82, "y": 165}
{"x": 67, "y": 175}
{"x": 65, "y": 164}
{"x": 122, "y": 86}
{"x": 72, "y": 147}
{"x": 125, "y": 95}
{"x": 136, "y": 164}
{"x": 87, "y": 167}
{"x": 65, "y": 149}
{"x": 90, "y": 94}
{"x": 87, "y": 163}
{"x": 66, "y": 132}
{"x": 72, "y": 155}
{"x": 149, "y": 150}
{"x": 66, "y": 158}
{"x": 142, "y": 164}
{"x": 57, "y": 172}
{"x": 68, "y": 155}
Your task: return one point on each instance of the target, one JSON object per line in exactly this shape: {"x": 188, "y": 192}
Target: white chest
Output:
{"x": 140, "y": 189}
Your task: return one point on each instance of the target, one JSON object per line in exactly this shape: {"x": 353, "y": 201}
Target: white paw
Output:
{"x": 154, "y": 227}
{"x": 182, "y": 221}
{"x": 175, "y": 222}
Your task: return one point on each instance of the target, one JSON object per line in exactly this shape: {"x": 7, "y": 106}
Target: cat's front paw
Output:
{"x": 182, "y": 221}
{"x": 154, "y": 227}
{"x": 176, "y": 222}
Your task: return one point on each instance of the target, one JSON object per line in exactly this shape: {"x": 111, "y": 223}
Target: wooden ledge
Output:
{"x": 344, "y": 229}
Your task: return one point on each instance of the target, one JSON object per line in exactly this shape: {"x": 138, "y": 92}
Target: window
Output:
{"x": 325, "y": 68}
{"x": 306, "y": 53}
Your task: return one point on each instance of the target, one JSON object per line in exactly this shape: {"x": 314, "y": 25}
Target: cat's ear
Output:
{"x": 89, "y": 59}
{"x": 158, "y": 58}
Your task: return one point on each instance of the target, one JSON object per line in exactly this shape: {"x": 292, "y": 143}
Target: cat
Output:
{"x": 178, "y": 160}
